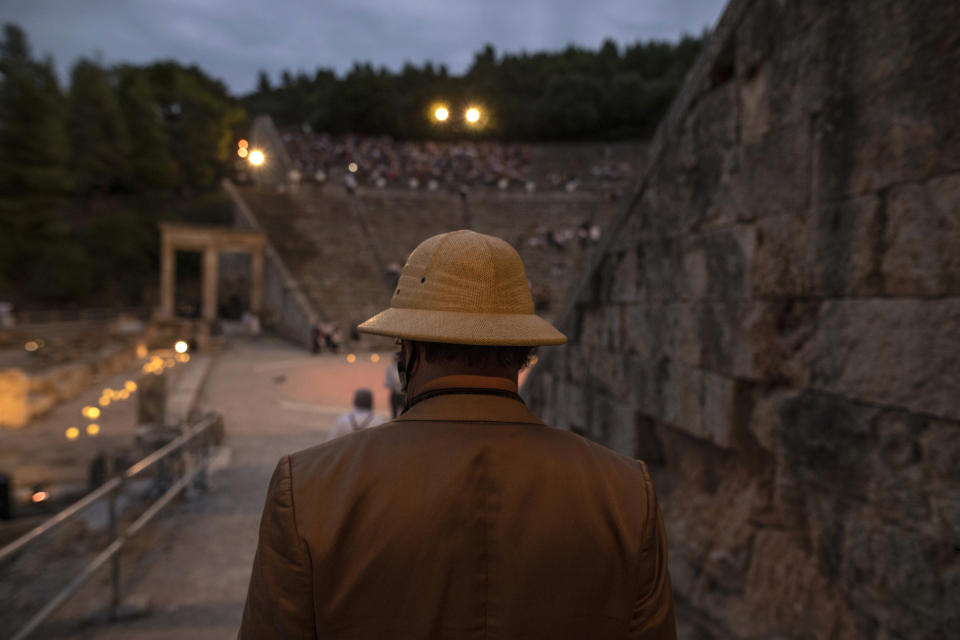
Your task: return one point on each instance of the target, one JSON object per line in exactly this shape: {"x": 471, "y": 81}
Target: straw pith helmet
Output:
{"x": 464, "y": 287}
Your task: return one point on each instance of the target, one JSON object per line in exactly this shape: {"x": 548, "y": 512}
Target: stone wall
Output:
{"x": 774, "y": 323}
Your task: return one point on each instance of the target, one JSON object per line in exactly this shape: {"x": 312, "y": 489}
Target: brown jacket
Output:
{"x": 466, "y": 517}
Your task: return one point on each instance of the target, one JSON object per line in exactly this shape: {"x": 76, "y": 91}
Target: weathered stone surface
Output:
{"x": 891, "y": 352}
{"x": 784, "y": 590}
{"x": 835, "y": 252}
{"x": 777, "y": 324}
{"x": 773, "y": 174}
{"x": 921, "y": 242}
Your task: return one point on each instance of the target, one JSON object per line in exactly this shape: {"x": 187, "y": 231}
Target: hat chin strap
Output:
{"x": 405, "y": 368}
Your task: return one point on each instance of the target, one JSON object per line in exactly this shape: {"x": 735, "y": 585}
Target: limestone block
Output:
{"x": 774, "y": 174}
{"x": 725, "y": 409}
{"x": 894, "y": 565}
{"x": 771, "y": 341}
{"x": 728, "y": 254}
{"x": 763, "y": 422}
{"x": 682, "y": 397}
{"x": 611, "y": 424}
{"x": 754, "y": 106}
{"x": 835, "y": 251}
{"x": 922, "y": 239}
{"x": 14, "y": 398}
{"x": 897, "y": 352}
{"x": 592, "y": 327}
{"x": 900, "y": 131}
{"x": 717, "y": 330}
{"x": 825, "y": 441}
{"x": 624, "y": 275}
{"x": 784, "y": 590}
{"x": 607, "y": 372}
{"x": 940, "y": 450}
{"x": 573, "y": 403}
{"x": 648, "y": 379}
{"x": 661, "y": 267}
{"x": 645, "y": 330}
{"x": 712, "y": 122}
{"x": 648, "y": 446}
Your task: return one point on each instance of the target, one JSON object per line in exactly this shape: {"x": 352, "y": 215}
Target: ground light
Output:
{"x": 351, "y": 358}
{"x": 93, "y": 429}
{"x": 72, "y": 433}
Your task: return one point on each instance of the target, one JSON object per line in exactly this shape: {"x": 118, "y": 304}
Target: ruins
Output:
{"x": 773, "y": 323}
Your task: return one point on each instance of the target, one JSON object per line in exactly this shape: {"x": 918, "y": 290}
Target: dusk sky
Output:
{"x": 233, "y": 39}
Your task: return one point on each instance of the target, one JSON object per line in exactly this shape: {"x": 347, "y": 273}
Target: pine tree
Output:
{"x": 151, "y": 164}
{"x": 33, "y": 139}
{"x": 98, "y": 138}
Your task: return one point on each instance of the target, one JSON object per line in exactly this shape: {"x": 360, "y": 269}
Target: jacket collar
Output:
{"x": 467, "y": 407}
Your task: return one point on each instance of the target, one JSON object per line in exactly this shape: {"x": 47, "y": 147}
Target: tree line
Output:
{"x": 576, "y": 93}
{"x": 86, "y": 172}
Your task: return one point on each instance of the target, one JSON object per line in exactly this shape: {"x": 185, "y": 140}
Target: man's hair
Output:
{"x": 477, "y": 357}
{"x": 363, "y": 399}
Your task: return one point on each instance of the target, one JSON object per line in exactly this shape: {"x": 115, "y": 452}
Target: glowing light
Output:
{"x": 104, "y": 401}
{"x": 374, "y": 357}
{"x": 91, "y": 412}
{"x": 181, "y": 346}
{"x": 242, "y": 152}
{"x": 123, "y": 395}
{"x": 31, "y": 346}
{"x": 93, "y": 429}
{"x": 242, "y": 144}
{"x": 40, "y": 496}
{"x": 472, "y": 115}
{"x": 351, "y": 358}
{"x": 352, "y": 167}
{"x": 130, "y": 386}
{"x": 441, "y": 114}
{"x": 72, "y": 433}
{"x": 141, "y": 350}
{"x": 183, "y": 357}
{"x": 146, "y": 368}
{"x": 257, "y": 157}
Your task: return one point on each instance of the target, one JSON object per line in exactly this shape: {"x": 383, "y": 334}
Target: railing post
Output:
{"x": 115, "y": 562}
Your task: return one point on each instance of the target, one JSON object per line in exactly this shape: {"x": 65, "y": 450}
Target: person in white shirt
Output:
{"x": 362, "y": 416}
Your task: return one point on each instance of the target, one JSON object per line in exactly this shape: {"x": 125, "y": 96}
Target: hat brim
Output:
{"x": 457, "y": 327}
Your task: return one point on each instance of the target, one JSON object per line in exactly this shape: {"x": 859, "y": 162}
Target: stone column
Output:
{"x": 211, "y": 264}
{"x": 168, "y": 276}
{"x": 256, "y": 280}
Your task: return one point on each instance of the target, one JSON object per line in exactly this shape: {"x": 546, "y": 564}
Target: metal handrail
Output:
{"x": 110, "y": 490}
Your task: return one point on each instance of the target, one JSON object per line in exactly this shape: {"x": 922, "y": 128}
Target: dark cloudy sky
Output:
{"x": 232, "y": 39}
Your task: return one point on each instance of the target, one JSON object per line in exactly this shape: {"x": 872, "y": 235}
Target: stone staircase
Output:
{"x": 322, "y": 244}
{"x": 337, "y": 247}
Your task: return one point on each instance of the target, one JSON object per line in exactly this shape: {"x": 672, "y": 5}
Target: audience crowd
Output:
{"x": 380, "y": 162}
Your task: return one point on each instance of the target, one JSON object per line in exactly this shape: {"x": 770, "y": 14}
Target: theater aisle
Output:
{"x": 193, "y": 564}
